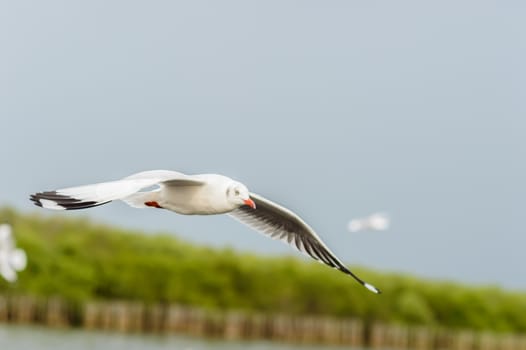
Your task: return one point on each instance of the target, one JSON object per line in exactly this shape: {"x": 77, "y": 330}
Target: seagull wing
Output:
{"x": 280, "y": 223}
{"x": 88, "y": 196}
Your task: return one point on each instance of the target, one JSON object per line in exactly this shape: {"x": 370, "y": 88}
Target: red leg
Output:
{"x": 153, "y": 204}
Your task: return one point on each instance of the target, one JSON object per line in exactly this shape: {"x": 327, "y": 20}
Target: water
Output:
{"x": 38, "y": 338}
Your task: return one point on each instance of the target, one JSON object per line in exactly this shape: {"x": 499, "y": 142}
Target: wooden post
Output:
{"x": 91, "y": 316}
{"x": 56, "y": 314}
{"x": 120, "y": 317}
{"x": 196, "y": 322}
{"x": 280, "y": 327}
{"x": 234, "y": 324}
{"x": 487, "y": 341}
{"x": 257, "y": 327}
{"x": 462, "y": 341}
{"x": 521, "y": 341}
{"x": 352, "y": 333}
{"x": 329, "y": 330}
{"x": 104, "y": 316}
{"x": 306, "y": 328}
{"x": 421, "y": 339}
{"x": 136, "y": 315}
{"x": 377, "y": 336}
{"x": 215, "y": 324}
{"x": 176, "y": 318}
{"x": 4, "y": 313}
{"x": 23, "y": 309}
{"x": 508, "y": 342}
{"x": 397, "y": 337}
{"x": 154, "y": 318}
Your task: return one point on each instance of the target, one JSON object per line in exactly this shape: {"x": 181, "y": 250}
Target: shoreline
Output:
{"x": 140, "y": 318}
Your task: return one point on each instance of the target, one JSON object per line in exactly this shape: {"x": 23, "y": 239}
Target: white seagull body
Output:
{"x": 203, "y": 194}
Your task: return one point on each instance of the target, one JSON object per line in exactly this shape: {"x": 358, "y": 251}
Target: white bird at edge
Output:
{"x": 12, "y": 259}
{"x": 202, "y": 194}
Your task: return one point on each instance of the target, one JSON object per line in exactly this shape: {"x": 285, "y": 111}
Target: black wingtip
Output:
{"x": 35, "y": 200}
{"x": 372, "y": 288}
{"x": 368, "y": 286}
{"x": 62, "y": 201}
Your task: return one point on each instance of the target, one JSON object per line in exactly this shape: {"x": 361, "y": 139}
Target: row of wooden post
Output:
{"x": 135, "y": 317}
{"x": 139, "y": 317}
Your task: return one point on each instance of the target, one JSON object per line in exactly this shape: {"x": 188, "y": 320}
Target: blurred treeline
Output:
{"x": 80, "y": 260}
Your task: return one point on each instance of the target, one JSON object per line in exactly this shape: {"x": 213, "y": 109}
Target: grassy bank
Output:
{"x": 80, "y": 261}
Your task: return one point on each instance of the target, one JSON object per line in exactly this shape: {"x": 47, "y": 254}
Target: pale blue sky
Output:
{"x": 334, "y": 108}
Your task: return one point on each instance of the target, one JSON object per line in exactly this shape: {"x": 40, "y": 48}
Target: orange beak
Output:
{"x": 250, "y": 203}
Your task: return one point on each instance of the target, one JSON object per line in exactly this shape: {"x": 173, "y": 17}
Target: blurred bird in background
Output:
{"x": 12, "y": 259}
{"x": 373, "y": 222}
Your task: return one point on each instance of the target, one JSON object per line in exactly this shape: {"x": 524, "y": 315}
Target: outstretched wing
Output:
{"x": 280, "y": 223}
{"x": 88, "y": 196}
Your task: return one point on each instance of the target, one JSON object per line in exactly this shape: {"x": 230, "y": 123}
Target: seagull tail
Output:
{"x": 87, "y": 196}
{"x": 53, "y": 200}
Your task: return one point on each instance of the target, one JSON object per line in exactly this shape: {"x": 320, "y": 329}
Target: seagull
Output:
{"x": 12, "y": 259}
{"x": 201, "y": 194}
{"x": 373, "y": 222}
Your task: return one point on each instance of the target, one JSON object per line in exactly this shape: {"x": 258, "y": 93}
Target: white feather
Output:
{"x": 48, "y": 204}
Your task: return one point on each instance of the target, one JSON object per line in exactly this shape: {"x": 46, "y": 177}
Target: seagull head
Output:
{"x": 238, "y": 194}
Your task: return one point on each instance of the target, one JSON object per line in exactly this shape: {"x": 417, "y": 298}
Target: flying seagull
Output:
{"x": 373, "y": 222}
{"x": 202, "y": 194}
{"x": 12, "y": 259}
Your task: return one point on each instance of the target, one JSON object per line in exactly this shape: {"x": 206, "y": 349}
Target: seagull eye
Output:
{"x": 236, "y": 192}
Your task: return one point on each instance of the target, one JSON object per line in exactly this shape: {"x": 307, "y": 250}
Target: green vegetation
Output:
{"x": 79, "y": 260}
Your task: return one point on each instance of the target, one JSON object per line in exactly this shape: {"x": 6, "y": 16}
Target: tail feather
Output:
{"x": 53, "y": 200}
{"x": 88, "y": 196}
